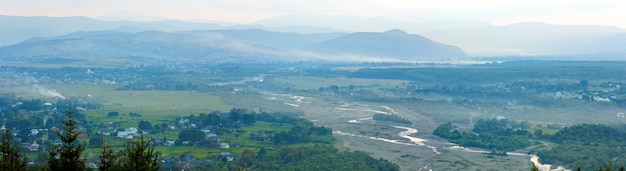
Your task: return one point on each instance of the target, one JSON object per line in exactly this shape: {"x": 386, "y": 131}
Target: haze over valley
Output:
{"x": 313, "y": 85}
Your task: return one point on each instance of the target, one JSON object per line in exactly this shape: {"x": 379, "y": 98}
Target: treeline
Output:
{"x": 302, "y": 132}
{"x": 489, "y": 134}
{"x": 521, "y": 70}
{"x": 586, "y": 146}
{"x": 391, "y": 118}
{"x": 312, "y": 157}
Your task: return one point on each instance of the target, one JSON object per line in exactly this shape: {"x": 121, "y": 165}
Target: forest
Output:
{"x": 490, "y": 134}
{"x": 585, "y": 146}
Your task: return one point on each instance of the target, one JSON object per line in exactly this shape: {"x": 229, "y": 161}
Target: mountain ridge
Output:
{"x": 206, "y": 44}
{"x": 393, "y": 43}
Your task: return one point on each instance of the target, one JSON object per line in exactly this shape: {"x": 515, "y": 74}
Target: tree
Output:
{"x": 583, "y": 83}
{"x": 96, "y": 141}
{"x": 108, "y": 158}
{"x": 534, "y": 168}
{"x": 235, "y": 114}
{"x": 139, "y": 155}
{"x": 261, "y": 153}
{"x": 145, "y": 125}
{"x": 11, "y": 158}
{"x": 113, "y": 114}
{"x": 67, "y": 156}
{"x": 191, "y": 135}
{"x": 538, "y": 132}
{"x": 248, "y": 119}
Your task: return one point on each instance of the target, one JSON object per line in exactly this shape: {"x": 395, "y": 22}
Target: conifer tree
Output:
{"x": 67, "y": 157}
{"x": 139, "y": 155}
{"x": 534, "y": 168}
{"x": 108, "y": 158}
{"x": 11, "y": 158}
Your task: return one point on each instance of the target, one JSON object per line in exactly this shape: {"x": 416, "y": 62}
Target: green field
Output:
{"x": 153, "y": 105}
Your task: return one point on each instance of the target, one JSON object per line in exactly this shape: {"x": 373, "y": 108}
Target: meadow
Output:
{"x": 154, "y": 106}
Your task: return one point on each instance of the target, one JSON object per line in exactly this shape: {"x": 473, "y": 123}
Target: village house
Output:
{"x": 57, "y": 142}
{"x": 122, "y": 134}
{"x": 169, "y": 143}
{"x": 33, "y": 147}
{"x": 157, "y": 141}
{"x": 54, "y": 128}
{"x": 34, "y": 132}
{"x": 226, "y": 156}
{"x": 261, "y": 136}
{"x": 207, "y": 129}
{"x": 212, "y": 137}
{"x": 224, "y": 145}
{"x": 83, "y": 135}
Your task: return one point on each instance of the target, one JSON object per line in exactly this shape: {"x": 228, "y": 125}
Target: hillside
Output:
{"x": 231, "y": 44}
{"x": 392, "y": 43}
{"x": 19, "y": 28}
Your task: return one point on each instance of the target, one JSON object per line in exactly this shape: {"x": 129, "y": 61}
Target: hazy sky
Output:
{"x": 579, "y": 12}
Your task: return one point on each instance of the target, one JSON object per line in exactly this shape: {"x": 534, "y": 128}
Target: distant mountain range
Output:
{"x": 314, "y": 35}
{"x": 231, "y": 44}
{"x": 18, "y": 28}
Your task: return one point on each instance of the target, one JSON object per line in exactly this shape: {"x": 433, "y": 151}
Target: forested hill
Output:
{"x": 392, "y": 43}
{"x": 233, "y": 44}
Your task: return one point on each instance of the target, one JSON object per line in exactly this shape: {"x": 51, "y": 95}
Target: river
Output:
{"x": 296, "y": 101}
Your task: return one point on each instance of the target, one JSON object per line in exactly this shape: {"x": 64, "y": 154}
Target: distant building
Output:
{"x": 207, "y": 129}
{"x": 54, "y": 129}
{"x": 212, "y": 137}
{"x": 81, "y": 109}
{"x": 226, "y": 156}
{"x": 33, "y": 147}
{"x": 122, "y": 134}
{"x": 57, "y": 142}
{"x": 224, "y": 145}
{"x": 169, "y": 143}
{"x": 34, "y": 132}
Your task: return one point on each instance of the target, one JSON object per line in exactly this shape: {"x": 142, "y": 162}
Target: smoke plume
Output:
{"x": 47, "y": 92}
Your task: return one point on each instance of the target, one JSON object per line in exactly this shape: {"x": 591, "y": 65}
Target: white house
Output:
{"x": 169, "y": 143}
{"x": 81, "y": 109}
{"x": 224, "y": 145}
{"x": 212, "y": 137}
{"x": 122, "y": 134}
{"x": 131, "y": 130}
{"x": 34, "y": 132}
{"x": 227, "y": 156}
